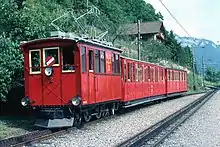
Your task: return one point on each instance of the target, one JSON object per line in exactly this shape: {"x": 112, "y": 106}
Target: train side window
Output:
{"x": 129, "y": 71}
{"x": 83, "y": 52}
{"x": 68, "y": 59}
{"x": 35, "y": 59}
{"x": 53, "y": 52}
{"x": 140, "y": 73}
{"x": 115, "y": 63}
{"x": 168, "y": 72}
{"x": 102, "y": 61}
{"x": 91, "y": 54}
{"x": 97, "y": 61}
{"x": 136, "y": 68}
{"x": 146, "y": 73}
{"x": 149, "y": 73}
{"x": 125, "y": 71}
{"x": 134, "y": 73}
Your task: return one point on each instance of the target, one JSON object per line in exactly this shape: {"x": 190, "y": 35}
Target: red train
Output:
{"x": 69, "y": 78}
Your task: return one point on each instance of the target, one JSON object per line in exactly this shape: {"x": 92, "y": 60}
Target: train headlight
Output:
{"x": 25, "y": 101}
{"x": 48, "y": 71}
{"x": 76, "y": 101}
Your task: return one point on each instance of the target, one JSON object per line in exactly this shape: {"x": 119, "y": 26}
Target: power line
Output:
{"x": 175, "y": 18}
{"x": 193, "y": 50}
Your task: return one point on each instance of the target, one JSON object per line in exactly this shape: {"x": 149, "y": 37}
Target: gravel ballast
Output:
{"x": 201, "y": 129}
{"x": 113, "y": 131}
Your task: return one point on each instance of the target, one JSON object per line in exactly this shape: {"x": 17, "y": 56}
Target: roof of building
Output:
{"x": 145, "y": 28}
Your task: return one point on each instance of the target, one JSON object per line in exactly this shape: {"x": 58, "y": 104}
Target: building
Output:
{"x": 148, "y": 30}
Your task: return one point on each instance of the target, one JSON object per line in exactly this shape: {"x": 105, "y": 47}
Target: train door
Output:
{"x": 51, "y": 76}
{"x": 91, "y": 76}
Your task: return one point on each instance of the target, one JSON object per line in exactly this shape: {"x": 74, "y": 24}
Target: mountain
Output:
{"x": 207, "y": 49}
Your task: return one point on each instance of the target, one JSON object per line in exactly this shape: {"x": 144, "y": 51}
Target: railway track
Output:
{"x": 29, "y": 138}
{"x": 40, "y": 135}
{"x": 156, "y": 134}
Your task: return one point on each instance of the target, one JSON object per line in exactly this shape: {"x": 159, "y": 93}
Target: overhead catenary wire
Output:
{"x": 175, "y": 19}
{"x": 193, "y": 50}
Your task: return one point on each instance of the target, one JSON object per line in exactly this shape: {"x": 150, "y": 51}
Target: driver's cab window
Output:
{"x": 51, "y": 57}
{"x": 34, "y": 64}
{"x": 68, "y": 59}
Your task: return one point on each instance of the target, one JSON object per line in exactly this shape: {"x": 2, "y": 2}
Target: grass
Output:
{"x": 13, "y": 126}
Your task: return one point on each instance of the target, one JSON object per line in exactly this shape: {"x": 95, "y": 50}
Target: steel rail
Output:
{"x": 39, "y": 135}
{"x": 156, "y": 134}
{"x": 29, "y": 138}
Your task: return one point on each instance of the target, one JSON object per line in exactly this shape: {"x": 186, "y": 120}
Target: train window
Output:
{"x": 162, "y": 74}
{"x": 169, "y": 77}
{"x": 83, "y": 53}
{"x": 102, "y": 61}
{"x": 146, "y": 73}
{"x": 34, "y": 61}
{"x": 125, "y": 71}
{"x": 97, "y": 61}
{"x": 115, "y": 63}
{"x": 129, "y": 71}
{"x": 143, "y": 70}
{"x": 140, "y": 73}
{"x": 136, "y": 68}
{"x": 91, "y": 60}
{"x": 68, "y": 59}
{"x": 53, "y": 52}
{"x": 156, "y": 74}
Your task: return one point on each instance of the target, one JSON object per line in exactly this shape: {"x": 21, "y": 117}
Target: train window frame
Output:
{"x": 136, "y": 70}
{"x": 129, "y": 67}
{"x": 97, "y": 62}
{"x": 125, "y": 71}
{"x": 102, "y": 62}
{"x": 73, "y": 65}
{"x": 51, "y": 48}
{"x": 30, "y": 63}
{"x": 83, "y": 59}
{"x": 91, "y": 60}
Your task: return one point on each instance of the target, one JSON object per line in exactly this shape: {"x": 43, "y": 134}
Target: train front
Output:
{"x": 52, "y": 81}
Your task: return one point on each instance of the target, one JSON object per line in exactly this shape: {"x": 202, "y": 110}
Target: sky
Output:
{"x": 201, "y": 18}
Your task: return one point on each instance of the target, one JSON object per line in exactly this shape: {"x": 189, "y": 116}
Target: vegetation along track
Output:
{"x": 29, "y": 138}
{"x": 40, "y": 135}
{"x": 156, "y": 134}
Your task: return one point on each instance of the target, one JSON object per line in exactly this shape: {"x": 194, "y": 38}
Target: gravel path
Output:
{"x": 118, "y": 129}
{"x": 201, "y": 130}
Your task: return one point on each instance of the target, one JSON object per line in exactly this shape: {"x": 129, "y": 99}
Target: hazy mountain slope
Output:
{"x": 203, "y": 47}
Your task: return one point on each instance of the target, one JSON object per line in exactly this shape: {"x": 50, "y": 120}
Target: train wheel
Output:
{"x": 78, "y": 121}
{"x": 87, "y": 117}
{"x": 106, "y": 113}
{"x": 98, "y": 115}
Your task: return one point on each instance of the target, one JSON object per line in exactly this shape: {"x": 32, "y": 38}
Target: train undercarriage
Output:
{"x": 68, "y": 116}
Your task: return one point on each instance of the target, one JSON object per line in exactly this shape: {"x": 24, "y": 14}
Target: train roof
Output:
{"x": 152, "y": 63}
{"x": 71, "y": 37}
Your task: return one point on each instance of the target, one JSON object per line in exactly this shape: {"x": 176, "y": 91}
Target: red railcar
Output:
{"x": 68, "y": 78}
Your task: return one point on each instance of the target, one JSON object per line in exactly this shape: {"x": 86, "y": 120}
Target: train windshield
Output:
{"x": 35, "y": 61}
{"x": 68, "y": 59}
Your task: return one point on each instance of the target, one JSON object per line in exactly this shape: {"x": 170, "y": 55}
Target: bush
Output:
{"x": 10, "y": 66}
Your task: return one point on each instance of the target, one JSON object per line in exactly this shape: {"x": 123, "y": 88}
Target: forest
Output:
{"x": 23, "y": 20}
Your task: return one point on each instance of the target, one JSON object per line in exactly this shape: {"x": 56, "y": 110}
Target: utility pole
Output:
{"x": 194, "y": 82}
{"x": 203, "y": 73}
{"x": 139, "y": 37}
